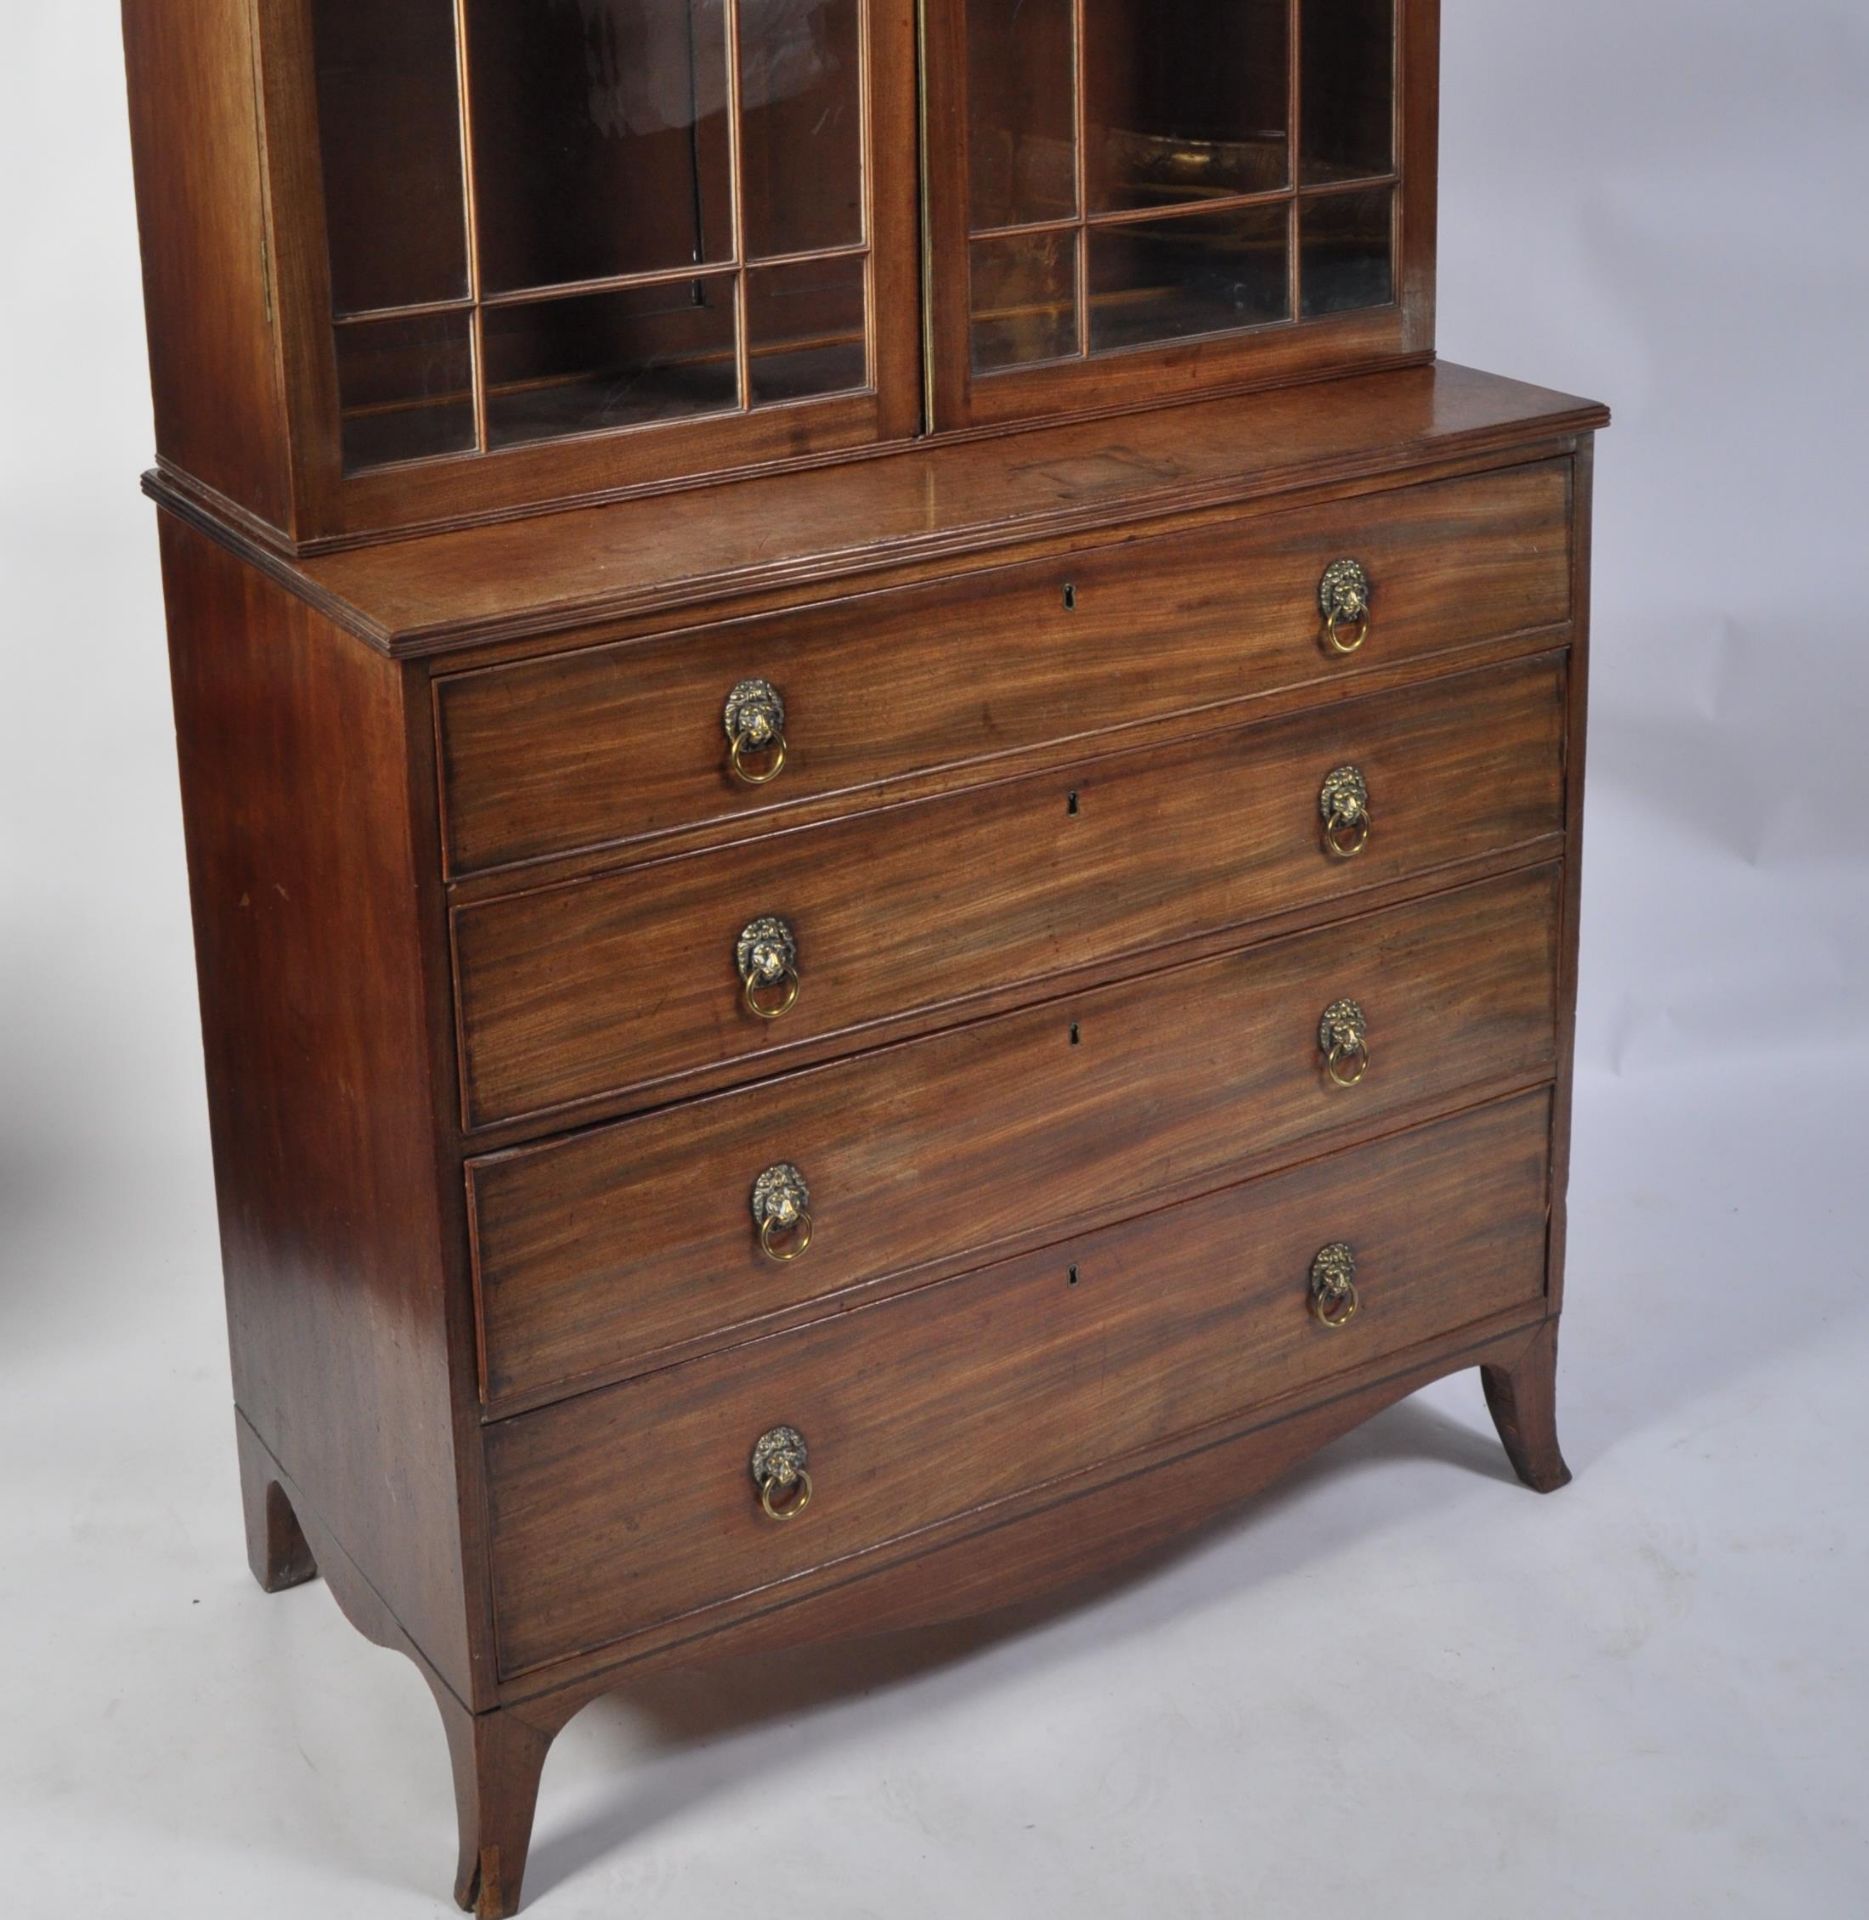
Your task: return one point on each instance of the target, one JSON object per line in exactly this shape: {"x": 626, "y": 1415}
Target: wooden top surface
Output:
{"x": 450, "y": 589}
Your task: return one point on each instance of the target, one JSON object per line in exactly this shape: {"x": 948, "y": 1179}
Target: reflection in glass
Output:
{"x": 1348, "y": 89}
{"x": 801, "y": 125}
{"x": 607, "y": 360}
{"x": 1157, "y": 280}
{"x": 600, "y": 138}
{"x": 405, "y": 388}
{"x": 1021, "y": 112}
{"x": 1024, "y": 299}
{"x": 389, "y": 130}
{"x": 1346, "y": 251}
{"x": 1185, "y": 102}
{"x": 805, "y": 332}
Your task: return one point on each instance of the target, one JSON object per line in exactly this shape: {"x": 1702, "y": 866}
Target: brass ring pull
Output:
{"x": 795, "y": 1248}
{"x": 800, "y": 1500}
{"x": 1334, "y": 631}
{"x": 1343, "y": 804}
{"x": 1343, "y": 597}
{"x": 744, "y": 743}
{"x": 778, "y": 1467}
{"x": 1334, "y": 1301}
{"x": 1347, "y": 1065}
{"x": 755, "y": 724}
{"x": 782, "y": 1207}
{"x": 766, "y": 955}
{"x": 1343, "y": 1040}
{"x": 787, "y": 983}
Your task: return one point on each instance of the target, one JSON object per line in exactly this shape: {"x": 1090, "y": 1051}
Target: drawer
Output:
{"x": 938, "y": 1403}
{"x": 618, "y": 743}
{"x": 594, "y": 989}
{"x": 595, "y": 1253}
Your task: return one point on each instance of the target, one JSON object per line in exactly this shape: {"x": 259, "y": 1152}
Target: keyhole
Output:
{"x": 1070, "y": 596}
{"x": 1075, "y": 1037}
{"x": 1073, "y": 1279}
{"x": 1070, "y": 803}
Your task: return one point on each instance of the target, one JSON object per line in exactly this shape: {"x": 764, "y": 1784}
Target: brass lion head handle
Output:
{"x": 779, "y": 1473}
{"x": 1343, "y": 1040}
{"x": 1343, "y": 597}
{"x": 755, "y": 723}
{"x": 1333, "y": 1286}
{"x": 1343, "y": 803}
{"x": 766, "y": 955}
{"x": 782, "y": 1212}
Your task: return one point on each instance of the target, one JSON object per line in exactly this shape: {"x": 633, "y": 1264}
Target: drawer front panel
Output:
{"x": 594, "y": 1253}
{"x": 622, "y": 742}
{"x": 636, "y": 1505}
{"x": 587, "y": 991}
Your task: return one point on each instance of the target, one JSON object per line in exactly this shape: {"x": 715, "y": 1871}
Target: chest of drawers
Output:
{"x": 883, "y": 796}
{"x": 1097, "y": 1023}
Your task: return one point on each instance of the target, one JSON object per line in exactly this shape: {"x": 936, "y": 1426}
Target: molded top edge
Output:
{"x": 441, "y": 592}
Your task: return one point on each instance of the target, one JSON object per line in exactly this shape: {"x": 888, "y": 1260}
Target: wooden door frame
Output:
{"x": 1274, "y": 355}
{"x": 331, "y": 508}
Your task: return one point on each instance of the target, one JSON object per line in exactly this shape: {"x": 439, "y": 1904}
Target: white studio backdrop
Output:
{"x": 1401, "y": 1683}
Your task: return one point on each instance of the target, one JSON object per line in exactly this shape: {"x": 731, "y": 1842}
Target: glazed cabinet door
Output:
{"x": 1130, "y": 202}
{"x": 532, "y": 249}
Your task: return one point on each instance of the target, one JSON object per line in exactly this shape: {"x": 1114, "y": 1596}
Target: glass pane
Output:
{"x": 1021, "y": 112}
{"x": 602, "y": 360}
{"x": 600, "y": 137}
{"x": 1155, "y": 280}
{"x": 1024, "y": 300}
{"x": 801, "y": 125}
{"x": 1185, "y": 102}
{"x": 805, "y": 331}
{"x": 406, "y": 388}
{"x": 1348, "y": 73}
{"x": 389, "y": 128}
{"x": 1345, "y": 259}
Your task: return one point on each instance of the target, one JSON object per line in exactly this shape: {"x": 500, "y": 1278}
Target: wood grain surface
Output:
{"x": 598, "y": 1252}
{"x": 310, "y": 939}
{"x": 220, "y": 416}
{"x": 580, "y": 992}
{"x": 953, "y": 1397}
{"x": 621, "y": 743}
{"x": 936, "y": 500}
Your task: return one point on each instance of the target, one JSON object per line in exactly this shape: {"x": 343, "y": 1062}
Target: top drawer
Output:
{"x": 624, "y": 742}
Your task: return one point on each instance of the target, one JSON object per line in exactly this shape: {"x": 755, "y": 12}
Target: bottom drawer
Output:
{"x": 635, "y": 1504}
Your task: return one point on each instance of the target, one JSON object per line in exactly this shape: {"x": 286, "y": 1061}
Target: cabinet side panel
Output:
{"x": 1582, "y": 509}
{"x": 295, "y": 792}
{"x": 194, "y": 132}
